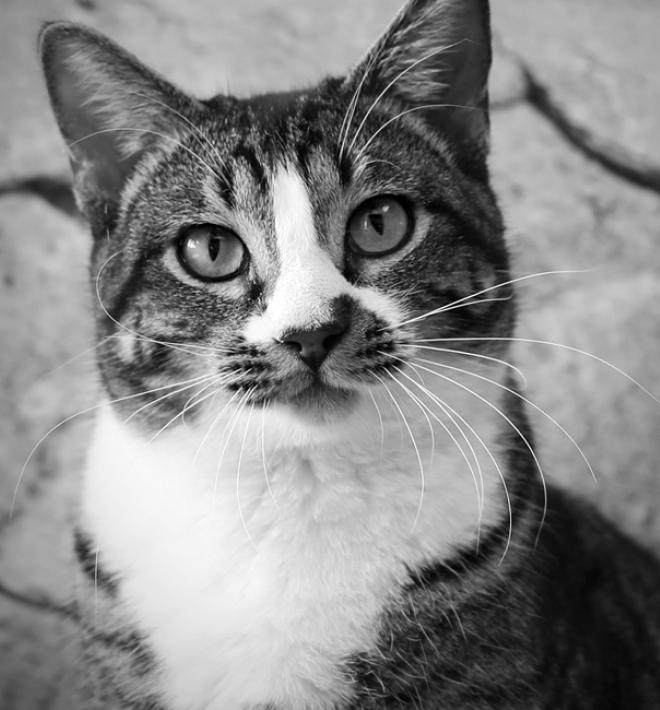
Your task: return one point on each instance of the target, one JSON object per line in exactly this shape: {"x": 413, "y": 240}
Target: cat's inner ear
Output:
{"x": 435, "y": 58}
{"x": 109, "y": 107}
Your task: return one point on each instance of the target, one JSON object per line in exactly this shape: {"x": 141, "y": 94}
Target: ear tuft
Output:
{"x": 110, "y": 108}
{"x": 435, "y": 57}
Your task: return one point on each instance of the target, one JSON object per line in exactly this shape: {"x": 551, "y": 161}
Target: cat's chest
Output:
{"x": 250, "y": 594}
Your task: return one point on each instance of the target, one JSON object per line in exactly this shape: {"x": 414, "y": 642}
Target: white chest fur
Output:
{"x": 255, "y": 578}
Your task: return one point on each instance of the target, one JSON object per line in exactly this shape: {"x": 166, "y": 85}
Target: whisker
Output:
{"x": 420, "y": 405}
{"x": 525, "y": 441}
{"x": 212, "y": 425}
{"x": 189, "y": 347}
{"x": 518, "y": 279}
{"x": 563, "y": 346}
{"x": 238, "y": 475}
{"x": 178, "y": 415}
{"x": 527, "y": 401}
{"x": 192, "y": 383}
{"x": 233, "y": 420}
{"x": 140, "y": 336}
{"x": 263, "y": 460}
{"x": 380, "y": 422}
{"x": 477, "y": 302}
{"x": 66, "y": 420}
{"x": 195, "y": 399}
{"x": 473, "y": 431}
{"x": 405, "y": 113}
{"x": 151, "y": 132}
{"x": 203, "y": 139}
{"x": 82, "y": 353}
{"x": 479, "y": 491}
{"x": 400, "y": 75}
{"x": 499, "y": 361}
{"x": 346, "y": 126}
{"x": 414, "y": 443}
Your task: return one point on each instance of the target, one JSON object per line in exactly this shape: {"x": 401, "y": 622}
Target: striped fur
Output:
{"x": 257, "y": 534}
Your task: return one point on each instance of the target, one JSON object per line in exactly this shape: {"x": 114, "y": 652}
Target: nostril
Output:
{"x": 314, "y": 345}
{"x": 294, "y": 344}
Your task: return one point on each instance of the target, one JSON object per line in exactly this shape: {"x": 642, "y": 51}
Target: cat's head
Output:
{"x": 283, "y": 251}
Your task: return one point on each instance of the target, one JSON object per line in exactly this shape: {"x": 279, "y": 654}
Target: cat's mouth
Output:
{"x": 321, "y": 395}
{"x": 317, "y": 399}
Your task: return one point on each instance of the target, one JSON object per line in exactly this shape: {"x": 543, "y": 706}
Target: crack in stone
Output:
{"x": 508, "y": 102}
{"x": 67, "y": 611}
{"x": 615, "y": 158}
{"x": 54, "y": 190}
{"x": 124, "y": 640}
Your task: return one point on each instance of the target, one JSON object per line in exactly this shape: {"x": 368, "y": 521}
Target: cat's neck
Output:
{"x": 260, "y": 564}
{"x": 261, "y": 473}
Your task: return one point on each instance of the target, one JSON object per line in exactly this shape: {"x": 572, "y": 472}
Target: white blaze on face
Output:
{"x": 308, "y": 280}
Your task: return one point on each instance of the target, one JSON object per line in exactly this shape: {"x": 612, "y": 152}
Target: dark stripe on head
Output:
{"x": 126, "y": 296}
{"x": 345, "y": 167}
{"x": 310, "y": 111}
{"x": 247, "y": 153}
{"x": 225, "y": 185}
{"x": 311, "y": 139}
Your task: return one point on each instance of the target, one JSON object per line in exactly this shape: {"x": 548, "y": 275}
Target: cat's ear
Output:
{"x": 110, "y": 108}
{"x": 435, "y": 58}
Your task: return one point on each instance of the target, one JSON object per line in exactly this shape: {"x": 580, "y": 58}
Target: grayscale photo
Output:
{"x": 330, "y": 355}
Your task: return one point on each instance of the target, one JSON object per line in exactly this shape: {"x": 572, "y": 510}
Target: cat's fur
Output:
{"x": 253, "y": 539}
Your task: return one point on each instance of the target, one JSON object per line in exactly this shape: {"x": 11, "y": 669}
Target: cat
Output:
{"x": 312, "y": 483}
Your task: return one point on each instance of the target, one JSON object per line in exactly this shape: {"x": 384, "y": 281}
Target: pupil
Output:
{"x": 377, "y": 222}
{"x": 214, "y": 248}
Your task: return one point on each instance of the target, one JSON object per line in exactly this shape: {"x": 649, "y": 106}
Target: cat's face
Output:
{"x": 284, "y": 251}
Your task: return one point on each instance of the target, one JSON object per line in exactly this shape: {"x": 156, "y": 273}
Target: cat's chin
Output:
{"x": 314, "y": 416}
{"x": 320, "y": 403}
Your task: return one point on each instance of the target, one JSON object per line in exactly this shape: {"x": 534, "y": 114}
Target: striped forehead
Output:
{"x": 252, "y": 189}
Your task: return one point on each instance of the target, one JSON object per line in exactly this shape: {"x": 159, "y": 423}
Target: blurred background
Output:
{"x": 575, "y": 159}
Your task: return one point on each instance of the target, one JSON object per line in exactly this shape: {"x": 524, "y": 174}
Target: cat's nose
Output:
{"x": 314, "y": 345}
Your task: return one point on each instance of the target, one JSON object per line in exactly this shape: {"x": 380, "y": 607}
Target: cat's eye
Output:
{"x": 211, "y": 253}
{"x": 379, "y": 226}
